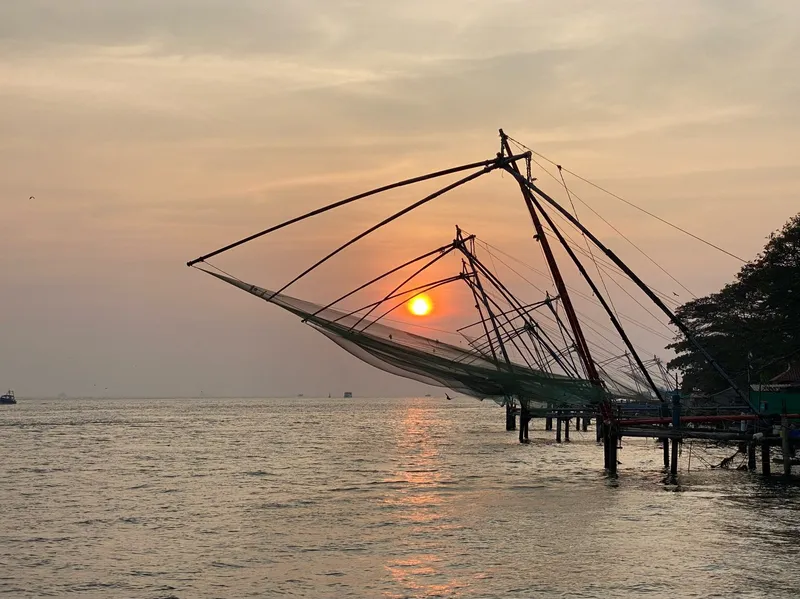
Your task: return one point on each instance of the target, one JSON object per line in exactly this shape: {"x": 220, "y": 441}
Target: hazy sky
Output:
{"x": 152, "y": 131}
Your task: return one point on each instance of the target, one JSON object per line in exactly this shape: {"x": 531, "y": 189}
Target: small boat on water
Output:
{"x": 348, "y": 394}
{"x": 8, "y": 398}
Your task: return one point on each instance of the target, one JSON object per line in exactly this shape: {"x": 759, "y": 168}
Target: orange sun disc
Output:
{"x": 420, "y": 305}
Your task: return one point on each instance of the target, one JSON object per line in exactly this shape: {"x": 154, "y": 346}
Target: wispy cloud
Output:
{"x": 151, "y": 130}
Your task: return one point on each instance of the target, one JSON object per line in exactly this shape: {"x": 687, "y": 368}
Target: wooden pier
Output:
{"x": 752, "y": 433}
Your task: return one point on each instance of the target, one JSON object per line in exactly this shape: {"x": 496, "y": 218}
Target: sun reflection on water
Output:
{"x": 420, "y": 503}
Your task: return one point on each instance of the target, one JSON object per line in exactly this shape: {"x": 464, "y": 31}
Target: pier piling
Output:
{"x": 558, "y": 429}
{"x": 786, "y": 446}
{"x": 765, "y": 458}
{"x": 612, "y": 443}
{"x": 751, "y": 456}
{"x": 673, "y": 467}
{"x": 511, "y": 418}
{"x": 566, "y": 430}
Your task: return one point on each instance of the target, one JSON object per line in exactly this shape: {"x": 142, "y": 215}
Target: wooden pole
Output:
{"x": 673, "y": 467}
{"x": 449, "y": 171}
{"x": 676, "y": 426}
{"x": 613, "y": 441}
{"x": 523, "y": 415}
{"x": 786, "y": 446}
{"x": 566, "y": 430}
{"x": 751, "y": 456}
{"x": 765, "y": 458}
{"x": 511, "y": 419}
{"x": 558, "y": 429}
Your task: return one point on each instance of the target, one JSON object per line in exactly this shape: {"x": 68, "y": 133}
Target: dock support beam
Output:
{"x": 548, "y": 423}
{"x": 566, "y": 430}
{"x": 665, "y": 441}
{"x": 751, "y": 456}
{"x": 558, "y": 429}
{"x": 765, "y": 458}
{"x": 586, "y": 421}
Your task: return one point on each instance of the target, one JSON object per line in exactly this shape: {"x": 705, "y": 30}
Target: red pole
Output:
{"x": 718, "y": 418}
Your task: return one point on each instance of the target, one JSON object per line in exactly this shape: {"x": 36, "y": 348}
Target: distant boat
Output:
{"x": 348, "y": 394}
{"x": 8, "y": 398}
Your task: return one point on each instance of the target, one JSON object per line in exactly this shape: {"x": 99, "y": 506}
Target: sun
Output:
{"x": 420, "y": 305}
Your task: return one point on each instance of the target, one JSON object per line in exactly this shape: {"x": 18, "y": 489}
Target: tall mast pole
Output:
{"x": 642, "y": 285}
{"x": 581, "y": 346}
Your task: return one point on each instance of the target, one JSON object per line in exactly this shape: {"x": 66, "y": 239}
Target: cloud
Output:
{"x": 151, "y": 131}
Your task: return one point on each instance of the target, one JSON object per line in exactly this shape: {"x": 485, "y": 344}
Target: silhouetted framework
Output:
{"x": 513, "y": 360}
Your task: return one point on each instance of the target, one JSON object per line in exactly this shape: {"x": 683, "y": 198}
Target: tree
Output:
{"x": 757, "y": 314}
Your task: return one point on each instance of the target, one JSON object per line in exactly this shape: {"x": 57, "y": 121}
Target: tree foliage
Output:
{"x": 758, "y": 313}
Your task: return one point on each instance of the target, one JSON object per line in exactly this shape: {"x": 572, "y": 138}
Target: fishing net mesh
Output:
{"x": 466, "y": 371}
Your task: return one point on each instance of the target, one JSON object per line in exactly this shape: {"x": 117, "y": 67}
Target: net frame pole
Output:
{"x": 344, "y": 202}
{"x": 600, "y": 298}
{"x": 681, "y": 326}
{"x": 497, "y": 163}
{"x": 581, "y": 345}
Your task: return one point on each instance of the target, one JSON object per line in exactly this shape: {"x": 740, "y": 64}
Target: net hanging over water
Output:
{"x": 466, "y": 371}
{"x": 491, "y": 366}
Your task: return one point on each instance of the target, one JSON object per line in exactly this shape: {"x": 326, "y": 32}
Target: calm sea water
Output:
{"x": 367, "y": 498}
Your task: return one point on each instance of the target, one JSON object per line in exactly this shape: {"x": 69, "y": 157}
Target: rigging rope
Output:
{"x": 632, "y": 205}
{"x": 588, "y": 246}
{"x": 625, "y": 237}
{"x": 577, "y": 292}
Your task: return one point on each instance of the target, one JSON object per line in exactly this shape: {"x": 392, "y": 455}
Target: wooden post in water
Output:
{"x": 599, "y": 429}
{"x": 558, "y": 429}
{"x": 765, "y": 458}
{"x": 566, "y": 430}
{"x": 548, "y": 423}
{"x": 665, "y": 440}
{"x": 676, "y": 426}
{"x": 524, "y": 417}
{"x": 751, "y": 456}
{"x": 786, "y": 446}
{"x": 586, "y": 421}
{"x": 612, "y": 441}
{"x": 577, "y": 422}
{"x": 511, "y": 418}
{"x": 673, "y": 467}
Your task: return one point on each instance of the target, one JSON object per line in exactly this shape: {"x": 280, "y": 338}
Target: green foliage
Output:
{"x": 758, "y": 313}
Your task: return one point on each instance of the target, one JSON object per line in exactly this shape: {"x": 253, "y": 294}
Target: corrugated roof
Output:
{"x": 790, "y": 375}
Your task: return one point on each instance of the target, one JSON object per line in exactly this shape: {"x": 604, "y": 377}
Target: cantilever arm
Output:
{"x": 457, "y": 169}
